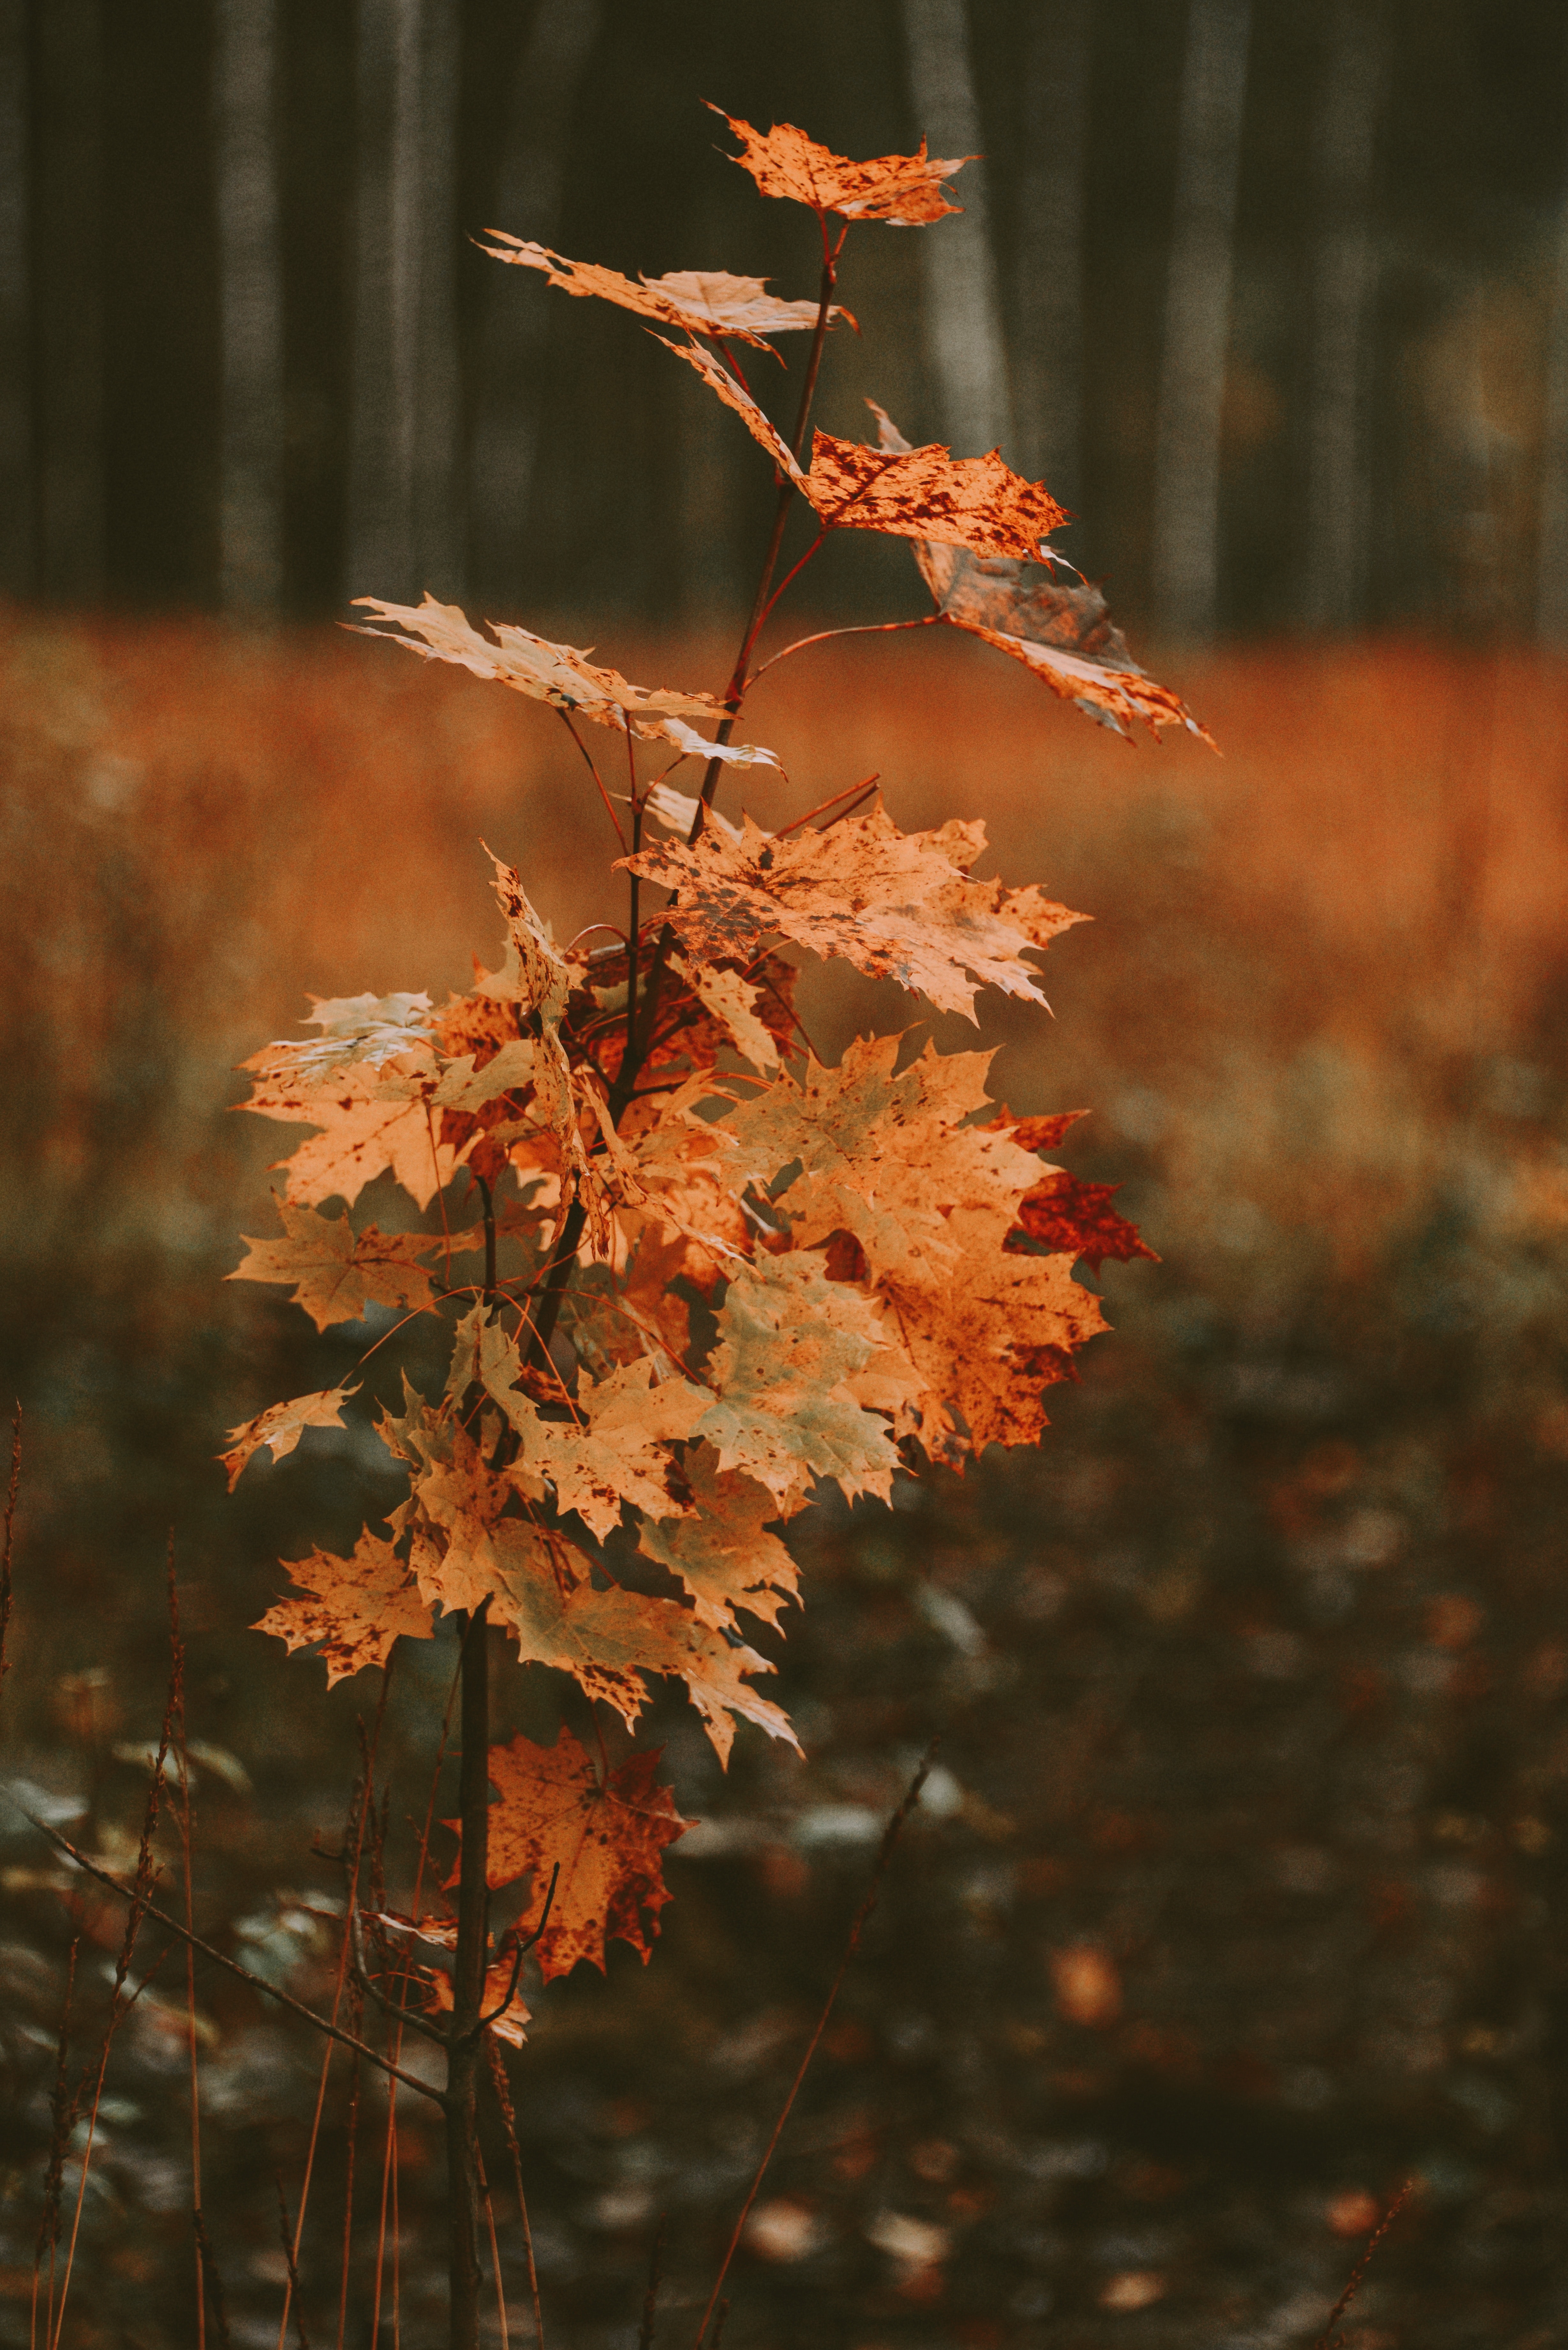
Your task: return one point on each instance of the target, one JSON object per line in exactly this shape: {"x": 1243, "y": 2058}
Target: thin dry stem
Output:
{"x": 1328, "y": 2339}
{"x": 8, "y": 1546}
{"x": 509, "y": 2122}
{"x": 890, "y": 1835}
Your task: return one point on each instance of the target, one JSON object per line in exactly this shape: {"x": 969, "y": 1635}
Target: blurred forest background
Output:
{"x": 1238, "y": 1899}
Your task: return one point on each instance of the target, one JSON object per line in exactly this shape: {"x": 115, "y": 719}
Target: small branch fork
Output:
{"x": 298, "y": 2007}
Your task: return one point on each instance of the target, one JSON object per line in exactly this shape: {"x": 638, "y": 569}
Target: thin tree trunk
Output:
{"x": 68, "y": 184}
{"x": 1186, "y": 550}
{"x": 514, "y": 319}
{"x": 963, "y": 312}
{"x": 250, "y": 496}
{"x": 380, "y": 537}
{"x": 15, "y": 320}
{"x": 438, "y": 532}
{"x": 1344, "y": 147}
{"x": 1052, "y": 209}
{"x": 1551, "y": 547}
{"x": 464, "y": 2046}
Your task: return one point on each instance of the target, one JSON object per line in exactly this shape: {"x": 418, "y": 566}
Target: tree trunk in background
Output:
{"x": 1552, "y": 546}
{"x": 440, "y": 537}
{"x": 1186, "y": 549}
{"x": 16, "y": 323}
{"x": 963, "y": 314}
{"x": 250, "y": 491}
{"x": 514, "y": 319}
{"x": 1344, "y": 147}
{"x": 68, "y": 115}
{"x": 1048, "y": 341}
{"x": 404, "y": 528}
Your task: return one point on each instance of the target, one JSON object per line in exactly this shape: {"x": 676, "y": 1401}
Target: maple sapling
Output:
{"x": 703, "y": 1273}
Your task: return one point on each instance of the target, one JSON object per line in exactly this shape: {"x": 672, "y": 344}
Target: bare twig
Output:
{"x": 509, "y": 2121}
{"x": 257, "y": 1983}
{"x": 520, "y": 1951}
{"x": 7, "y": 1547}
{"x": 286, "y": 2237}
{"x": 655, "y": 2278}
{"x": 1328, "y": 2339}
{"x": 890, "y": 1835}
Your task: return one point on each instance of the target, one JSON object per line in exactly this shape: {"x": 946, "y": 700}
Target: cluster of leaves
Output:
{"x": 714, "y": 1274}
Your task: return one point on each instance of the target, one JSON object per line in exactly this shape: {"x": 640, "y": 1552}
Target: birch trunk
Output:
{"x": 68, "y": 183}
{"x": 380, "y": 536}
{"x": 1186, "y": 550}
{"x": 514, "y": 320}
{"x": 1552, "y": 544}
{"x": 963, "y": 312}
{"x": 1344, "y": 282}
{"x": 440, "y": 535}
{"x": 1051, "y": 208}
{"x": 15, "y": 322}
{"x": 250, "y": 491}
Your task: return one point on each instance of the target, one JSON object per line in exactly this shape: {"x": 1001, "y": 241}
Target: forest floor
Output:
{"x": 1237, "y": 1900}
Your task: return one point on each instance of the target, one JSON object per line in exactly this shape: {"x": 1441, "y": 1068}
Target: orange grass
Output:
{"x": 1294, "y": 945}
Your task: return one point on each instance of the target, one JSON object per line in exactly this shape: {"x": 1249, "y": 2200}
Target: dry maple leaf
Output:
{"x": 1063, "y": 634}
{"x": 1061, "y": 1214}
{"x": 338, "y": 1273}
{"x": 905, "y": 191}
{"x": 789, "y": 1340}
{"x": 508, "y": 2015}
{"x": 978, "y": 503}
{"x": 615, "y": 1452}
{"x": 356, "y": 1608}
{"x": 734, "y": 1003}
{"x": 368, "y": 1083}
{"x": 558, "y": 674}
{"x": 465, "y": 1546}
{"x": 898, "y": 1160}
{"x": 896, "y": 905}
{"x": 723, "y": 1552}
{"x": 605, "y": 1837}
{"x": 700, "y": 301}
{"x": 282, "y": 1425}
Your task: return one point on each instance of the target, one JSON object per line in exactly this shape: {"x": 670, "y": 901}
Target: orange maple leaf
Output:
{"x": 734, "y": 394}
{"x": 606, "y": 1836}
{"x": 338, "y": 1273}
{"x": 1061, "y": 1214}
{"x": 724, "y": 1553}
{"x": 977, "y": 502}
{"x": 905, "y": 190}
{"x": 508, "y": 2024}
{"x": 358, "y": 1607}
{"x": 282, "y": 1425}
{"x": 898, "y": 1160}
{"x": 1063, "y": 634}
{"x": 558, "y": 674}
{"x": 896, "y": 905}
{"x": 700, "y": 301}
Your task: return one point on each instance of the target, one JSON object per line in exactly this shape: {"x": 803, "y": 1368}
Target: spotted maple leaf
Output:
{"x": 977, "y": 502}
{"x": 355, "y": 1607}
{"x": 605, "y": 1832}
{"x": 896, "y": 905}
{"x": 905, "y": 190}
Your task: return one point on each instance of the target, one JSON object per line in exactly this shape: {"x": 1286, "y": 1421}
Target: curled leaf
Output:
{"x": 282, "y": 1425}
{"x": 1062, "y": 633}
{"x": 558, "y": 674}
{"x": 698, "y": 301}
